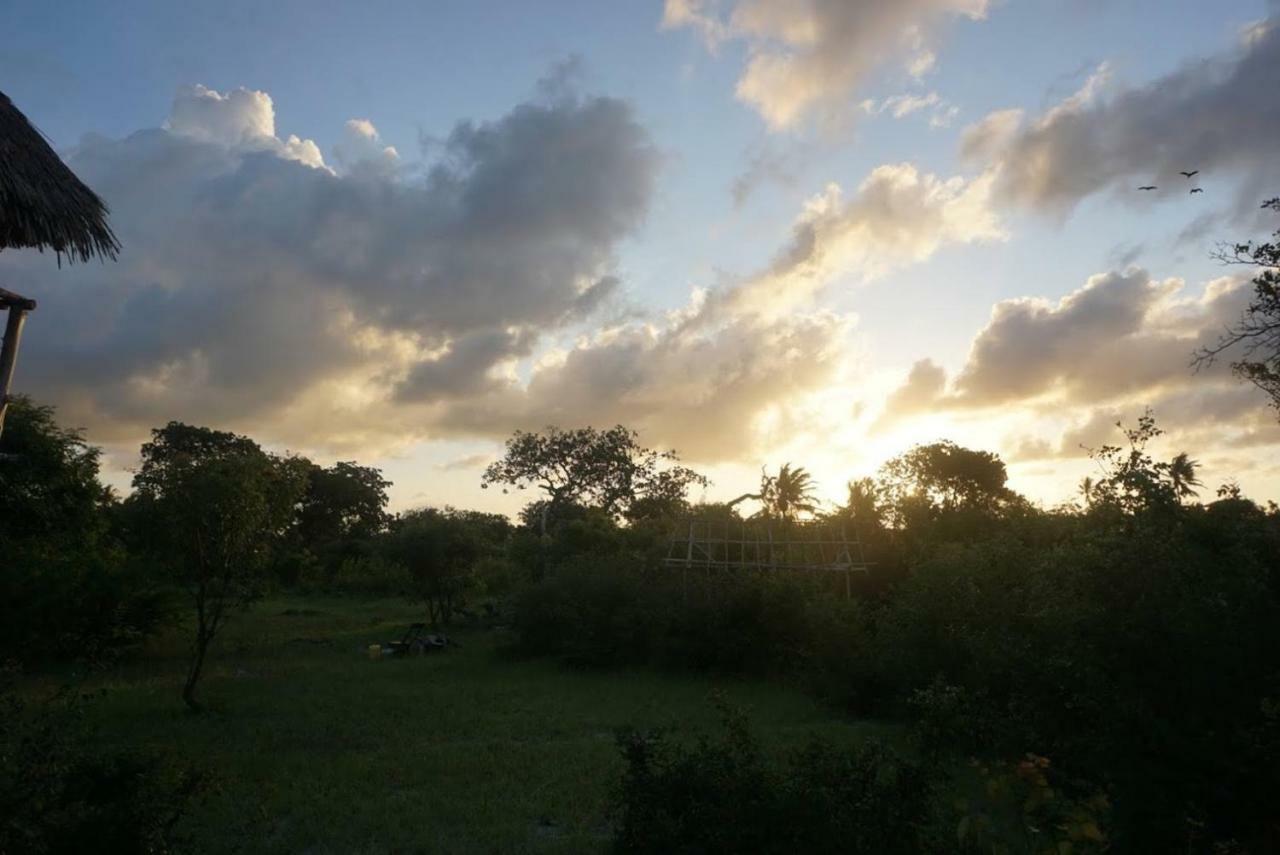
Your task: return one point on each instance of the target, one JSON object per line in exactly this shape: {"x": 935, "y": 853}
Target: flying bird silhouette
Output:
{"x": 1148, "y": 187}
{"x": 1197, "y": 190}
{"x": 1191, "y": 173}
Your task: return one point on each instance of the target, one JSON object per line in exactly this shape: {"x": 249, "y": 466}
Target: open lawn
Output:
{"x": 315, "y": 748}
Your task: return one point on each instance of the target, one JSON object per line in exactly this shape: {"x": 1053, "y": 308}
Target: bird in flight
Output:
{"x": 1192, "y": 173}
{"x": 1197, "y": 190}
{"x": 1148, "y": 187}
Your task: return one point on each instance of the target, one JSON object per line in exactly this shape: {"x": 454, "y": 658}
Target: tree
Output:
{"x": 607, "y": 469}
{"x": 785, "y": 495}
{"x": 863, "y": 505}
{"x": 1134, "y": 481}
{"x": 49, "y": 488}
{"x": 214, "y": 504}
{"x": 440, "y": 549}
{"x": 343, "y": 504}
{"x": 1257, "y": 334}
{"x": 947, "y": 477}
{"x": 1182, "y": 476}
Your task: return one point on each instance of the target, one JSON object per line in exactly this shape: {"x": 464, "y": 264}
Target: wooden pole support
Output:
{"x": 17, "y": 316}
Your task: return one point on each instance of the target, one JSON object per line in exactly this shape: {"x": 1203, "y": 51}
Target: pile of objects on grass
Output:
{"x": 416, "y": 641}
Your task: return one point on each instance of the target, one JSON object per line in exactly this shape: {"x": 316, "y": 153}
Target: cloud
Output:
{"x": 712, "y": 377}
{"x": 806, "y": 56}
{"x": 362, "y": 149}
{"x": 1067, "y": 371}
{"x": 941, "y": 114}
{"x": 463, "y": 464}
{"x": 1212, "y": 115}
{"x": 267, "y": 292}
{"x": 242, "y": 118}
{"x": 923, "y": 388}
{"x": 1122, "y": 333}
{"x": 898, "y": 217}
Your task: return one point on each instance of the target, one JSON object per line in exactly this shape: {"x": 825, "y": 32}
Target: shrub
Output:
{"x": 59, "y": 793}
{"x": 725, "y": 794}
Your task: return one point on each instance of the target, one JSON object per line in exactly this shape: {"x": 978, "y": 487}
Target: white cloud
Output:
{"x": 324, "y": 309}
{"x": 242, "y": 119}
{"x": 807, "y": 56}
{"x": 1211, "y": 115}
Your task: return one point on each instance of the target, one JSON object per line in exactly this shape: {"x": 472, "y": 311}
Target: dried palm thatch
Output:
{"x": 42, "y": 203}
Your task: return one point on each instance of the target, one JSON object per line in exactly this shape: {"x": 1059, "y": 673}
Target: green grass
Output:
{"x": 316, "y": 749}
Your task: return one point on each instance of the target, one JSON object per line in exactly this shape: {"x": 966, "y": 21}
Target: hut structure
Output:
{"x": 764, "y": 544}
{"x": 43, "y": 205}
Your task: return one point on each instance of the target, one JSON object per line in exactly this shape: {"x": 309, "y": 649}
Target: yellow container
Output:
{"x": 375, "y": 652}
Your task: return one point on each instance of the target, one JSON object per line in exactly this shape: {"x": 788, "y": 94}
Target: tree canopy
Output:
{"x": 607, "y": 469}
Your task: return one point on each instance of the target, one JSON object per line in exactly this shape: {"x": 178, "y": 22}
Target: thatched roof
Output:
{"x": 42, "y": 203}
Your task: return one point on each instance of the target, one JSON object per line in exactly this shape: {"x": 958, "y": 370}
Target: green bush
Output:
{"x": 59, "y": 793}
{"x": 725, "y": 794}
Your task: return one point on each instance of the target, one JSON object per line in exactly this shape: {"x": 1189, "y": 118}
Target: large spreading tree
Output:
{"x": 607, "y": 469}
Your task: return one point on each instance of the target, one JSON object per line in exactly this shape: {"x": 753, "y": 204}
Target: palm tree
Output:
{"x": 1182, "y": 475}
{"x": 792, "y": 493}
{"x": 785, "y": 495}
{"x": 1086, "y": 490}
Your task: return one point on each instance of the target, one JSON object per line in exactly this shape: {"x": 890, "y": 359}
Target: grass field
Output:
{"x": 314, "y": 748}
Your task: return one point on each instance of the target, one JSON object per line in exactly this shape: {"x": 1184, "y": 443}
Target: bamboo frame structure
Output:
{"x": 764, "y": 544}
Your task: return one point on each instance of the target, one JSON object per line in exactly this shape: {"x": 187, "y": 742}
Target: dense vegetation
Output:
{"x": 1102, "y": 674}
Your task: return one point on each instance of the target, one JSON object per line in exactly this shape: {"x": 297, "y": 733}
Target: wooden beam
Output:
{"x": 17, "y": 316}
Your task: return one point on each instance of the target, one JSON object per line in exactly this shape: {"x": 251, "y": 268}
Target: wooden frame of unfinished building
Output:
{"x": 765, "y": 544}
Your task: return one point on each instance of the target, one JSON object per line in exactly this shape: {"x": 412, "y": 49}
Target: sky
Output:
{"x": 755, "y": 231}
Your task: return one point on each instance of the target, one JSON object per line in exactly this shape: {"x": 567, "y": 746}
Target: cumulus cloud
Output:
{"x": 355, "y": 306}
{"x": 1216, "y": 115}
{"x": 709, "y": 377}
{"x": 260, "y": 290}
{"x": 920, "y": 392}
{"x": 897, "y": 217}
{"x": 1103, "y": 353}
{"x": 1123, "y": 332}
{"x": 809, "y": 55}
{"x": 362, "y": 148}
{"x": 242, "y": 118}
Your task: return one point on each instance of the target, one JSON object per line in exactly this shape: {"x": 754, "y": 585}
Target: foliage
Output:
{"x": 1025, "y": 806}
{"x": 343, "y": 507}
{"x": 943, "y": 477}
{"x": 1256, "y": 336}
{"x": 725, "y": 794}
{"x": 607, "y": 469}
{"x": 214, "y": 505}
{"x": 441, "y": 549}
{"x": 784, "y": 496}
{"x": 59, "y": 793}
{"x": 50, "y": 495}
{"x": 68, "y": 589}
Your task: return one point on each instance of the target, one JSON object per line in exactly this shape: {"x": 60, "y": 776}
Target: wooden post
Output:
{"x": 18, "y": 308}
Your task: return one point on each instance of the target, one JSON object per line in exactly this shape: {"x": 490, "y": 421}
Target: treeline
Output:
{"x": 1110, "y": 665}
{"x": 1113, "y": 664}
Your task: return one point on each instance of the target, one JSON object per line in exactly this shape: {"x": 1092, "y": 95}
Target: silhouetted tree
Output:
{"x": 343, "y": 505}
{"x": 1182, "y": 476}
{"x": 607, "y": 469}
{"x": 1257, "y": 333}
{"x": 785, "y": 495}
{"x": 945, "y": 476}
{"x": 440, "y": 548}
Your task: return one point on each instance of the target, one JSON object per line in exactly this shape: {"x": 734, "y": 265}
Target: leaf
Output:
{"x": 962, "y": 830}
